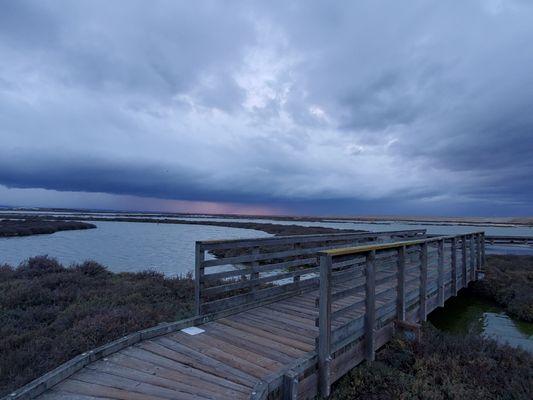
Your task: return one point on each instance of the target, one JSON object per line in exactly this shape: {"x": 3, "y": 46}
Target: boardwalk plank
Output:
{"x": 176, "y": 383}
{"x": 185, "y": 355}
{"x": 266, "y": 334}
{"x": 304, "y": 330}
{"x": 251, "y": 345}
{"x": 59, "y": 395}
{"x": 209, "y": 340}
{"x": 212, "y": 351}
{"x": 290, "y": 351}
{"x": 77, "y": 387}
{"x": 135, "y": 385}
{"x": 135, "y": 355}
{"x": 269, "y": 325}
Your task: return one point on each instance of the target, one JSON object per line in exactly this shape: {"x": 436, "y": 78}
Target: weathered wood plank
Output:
{"x": 324, "y": 338}
{"x": 401, "y": 284}
{"x": 440, "y": 268}
{"x": 423, "y": 281}
{"x": 370, "y": 306}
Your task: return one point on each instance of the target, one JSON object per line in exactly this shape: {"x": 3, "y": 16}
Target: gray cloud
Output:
{"x": 356, "y": 106}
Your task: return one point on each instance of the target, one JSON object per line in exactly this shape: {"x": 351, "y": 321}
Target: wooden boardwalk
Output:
{"x": 272, "y": 342}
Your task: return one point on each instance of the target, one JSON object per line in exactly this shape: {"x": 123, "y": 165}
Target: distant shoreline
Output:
{"x": 273, "y": 229}
{"x": 38, "y": 226}
{"x": 421, "y": 220}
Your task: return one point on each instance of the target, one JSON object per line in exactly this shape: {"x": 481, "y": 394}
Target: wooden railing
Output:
{"x": 508, "y": 240}
{"x": 364, "y": 289}
{"x": 247, "y": 272}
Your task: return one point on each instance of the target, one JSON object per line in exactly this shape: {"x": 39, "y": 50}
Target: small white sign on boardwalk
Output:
{"x": 192, "y": 330}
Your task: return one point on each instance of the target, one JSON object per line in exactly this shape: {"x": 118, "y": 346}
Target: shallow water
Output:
{"x": 431, "y": 228}
{"x": 123, "y": 246}
{"x": 380, "y": 226}
{"x": 168, "y": 248}
{"x": 467, "y": 313}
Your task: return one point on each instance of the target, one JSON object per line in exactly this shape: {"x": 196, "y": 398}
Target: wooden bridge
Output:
{"x": 277, "y": 318}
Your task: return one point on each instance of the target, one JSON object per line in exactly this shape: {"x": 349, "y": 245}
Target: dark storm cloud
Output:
{"x": 352, "y": 106}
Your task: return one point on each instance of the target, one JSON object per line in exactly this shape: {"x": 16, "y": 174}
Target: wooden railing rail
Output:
{"x": 246, "y": 272}
{"x": 406, "y": 279}
{"x": 508, "y": 240}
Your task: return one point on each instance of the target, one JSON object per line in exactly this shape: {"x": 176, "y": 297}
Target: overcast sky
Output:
{"x": 347, "y": 107}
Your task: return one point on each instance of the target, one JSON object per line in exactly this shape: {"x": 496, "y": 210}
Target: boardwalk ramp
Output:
{"x": 286, "y": 320}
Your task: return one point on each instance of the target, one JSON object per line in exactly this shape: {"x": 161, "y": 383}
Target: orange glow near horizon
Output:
{"x": 202, "y": 207}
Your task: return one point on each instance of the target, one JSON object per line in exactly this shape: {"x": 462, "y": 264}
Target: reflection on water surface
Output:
{"x": 470, "y": 314}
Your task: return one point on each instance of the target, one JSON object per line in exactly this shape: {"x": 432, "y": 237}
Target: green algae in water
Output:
{"x": 467, "y": 313}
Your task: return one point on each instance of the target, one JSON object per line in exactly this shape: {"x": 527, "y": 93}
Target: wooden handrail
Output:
{"x": 293, "y": 258}
{"x": 340, "y": 327}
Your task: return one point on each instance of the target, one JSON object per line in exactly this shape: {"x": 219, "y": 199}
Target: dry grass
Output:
{"x": 441, "y": 367}
{"x": 49, "y": 313}
{"x": 509, "y": 281}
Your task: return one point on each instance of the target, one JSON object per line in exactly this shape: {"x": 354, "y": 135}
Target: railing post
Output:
{"x": 453, "y": 262}
{"x": 290, "y": 386}
{"x": 440, "y": 270}
{"x": 254, "y": 275}
{"x": 296, "y": 246}
{"x": 478, "y": 254}
{"x": 463, "y": 260}
{"x": 483, "y": 259}
{"x": 198, "y": 276}
{"x": 472, "y": 258}
{"x": 324, "y": 318}
{"x": 370, "y": 305}
{"x": 423, "y": 281}
{"x": 400, "y": 305}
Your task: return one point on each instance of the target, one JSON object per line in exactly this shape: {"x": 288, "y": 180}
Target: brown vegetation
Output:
{"x": 441, "y": 366}
{"x": 49, "y": 313}
{"x": 509, "y": 281}
{"x": 37, "y": 226}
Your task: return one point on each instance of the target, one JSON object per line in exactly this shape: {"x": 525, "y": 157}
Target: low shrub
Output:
{"x": 49, "y": 313}
{"x": 509, "y": 281}
{"x": 27, "y": 226}
{"x": 441, "y": 366}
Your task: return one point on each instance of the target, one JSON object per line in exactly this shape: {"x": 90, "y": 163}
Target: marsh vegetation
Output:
{"x": 38, "y": 226}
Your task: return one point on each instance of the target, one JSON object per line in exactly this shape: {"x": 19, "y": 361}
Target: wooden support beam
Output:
{"x": 423, "y": 281}
{"x": 198, "y": 276}
{"x": 290, "y": 386}
{"x": 440, "y": 271}
{"x": 324, "y": 330}
{"x": 409, "y": 330}
{"x": 370, "y": 304}
{"x": 454, "y": 266}
{"x": 400, "y": 305}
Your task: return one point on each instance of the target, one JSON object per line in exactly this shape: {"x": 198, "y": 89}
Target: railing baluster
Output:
{"x": 400, "y": 310}
{"x": 254, "y": 275}
{"x": 440, "y": 270}
{"x": 198, "y": 276}
{"x": 423, "y": 281}
{"x": 483, "y": 260}
{"x": 324, "y": 338}
{"x": 370, "y": 304}
{"x": 453, "y": 262}
{"x": 472, "y": 258}
{"x": 478, "y": 254}
{"x": 290, "y": 386}
{"x": 463, "y": 261}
